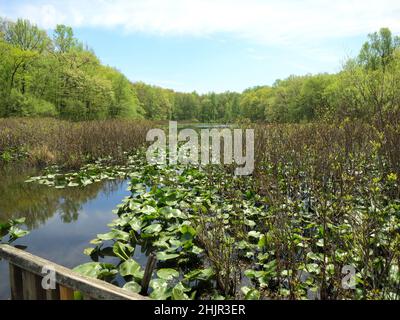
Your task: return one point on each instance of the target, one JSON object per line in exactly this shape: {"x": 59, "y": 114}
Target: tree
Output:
{"x": 26, "y": 36}
{"x": 156, "y": 102}
{"x": 14, "y": 68}
{"x": 373, "y": 77}
{"x": 254, "y": 103}
{"x": 378, "y": 51}
{"x": 313, "y": 97}
{"x": 209, "y": 106}
{"x": 186, "y": 106}
{"x": 125, "y": 103}
{"x": 228, "y": 108}
{"x": 63, "y": 39}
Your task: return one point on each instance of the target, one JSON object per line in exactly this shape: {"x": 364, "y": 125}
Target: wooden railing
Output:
{"x": 26, "y": 280}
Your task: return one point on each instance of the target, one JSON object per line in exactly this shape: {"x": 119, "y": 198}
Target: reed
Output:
{"x": 45, "y": 141}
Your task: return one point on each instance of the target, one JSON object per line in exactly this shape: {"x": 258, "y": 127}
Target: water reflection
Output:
{"x": 61, "y": 221}
{"x": 39, "y": 203}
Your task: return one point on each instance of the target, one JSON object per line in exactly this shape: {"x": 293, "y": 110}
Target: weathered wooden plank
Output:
{"x": 53, "y": 294}
{"x": 94, "y": 288}
{"x": 32, "y": 286}
{"x": 16, "y": 282}
{"x": 66, "y": 293}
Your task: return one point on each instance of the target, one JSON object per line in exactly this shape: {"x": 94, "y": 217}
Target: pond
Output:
{"x": 61, "y": 221}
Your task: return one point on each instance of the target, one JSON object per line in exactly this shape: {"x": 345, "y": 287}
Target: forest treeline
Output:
{"x": 56, "y": 75}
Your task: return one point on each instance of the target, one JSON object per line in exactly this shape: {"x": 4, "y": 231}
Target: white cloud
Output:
{"x": 261, "y": 21}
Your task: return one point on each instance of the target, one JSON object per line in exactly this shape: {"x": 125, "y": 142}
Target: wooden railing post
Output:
{"x": 66, "y": 293}
{"x": 32, "y": 286}
{"x": 15, "y": 282}
{"x": 53, "y": 294}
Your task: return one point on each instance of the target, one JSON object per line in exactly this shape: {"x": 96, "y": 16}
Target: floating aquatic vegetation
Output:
{"x": 12, "y": 230}
{"x": 88, "y": 174}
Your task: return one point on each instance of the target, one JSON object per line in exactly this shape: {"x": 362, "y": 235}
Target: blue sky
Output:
{"x": 215, "y": 45}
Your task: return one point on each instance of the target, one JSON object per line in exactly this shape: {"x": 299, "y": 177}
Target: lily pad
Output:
{"x": 167, "y": 274}
{"x": 133, "y": 287}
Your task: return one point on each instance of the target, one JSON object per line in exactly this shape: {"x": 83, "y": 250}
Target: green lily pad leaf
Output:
{"x": 242, "y": 245}
{"x": 254, "y": 274}
{"x": 133, "y": 287}
{"x": 10, "y": 227}
{"x": 86, "y": 182}
{"x": 249, "y": 223}
{"x": 170, "y": 213}
{"x": 96, "y": 270}
{"x": 188, "y": 233}
{"x": 262, "y": 243}
{"x": 96, "y": 241}
{"x": 158, "y": 283}
{"x": 148, "y": 210}
{"x": 130, "y": 268}
{"x": 121, "y": 222}
{"x": 197, "y": 250}
{"x": 167, "y": 274}
{"x": 134, "y": 206}
{"x": 200, "y": 274}
{"x": 263, "y": 256}
{"x": 135, "y": 224}
{"x": 161, "y": 243}
{"x": 16, "y": 233}
{"x": 73, "y": 184}
{"x": 315, "y": 256}
{"x": 160, "y": 289}
{"x": 313, "y": 268}
{"x": 153, "y": 228}
{"x": 250, "y": 274}
{"x": 123, "y": 251}
{"x": 163, "y": 256}
{"x": 178, "y": 292}
{"x": 270, "y": 266}
{"x": 88, "y": 251}
{"x": 255, "y": 234}
{"x": 176, "y": 243}
{"x": 114, "y": 234}
{"x": 188, "y": 229}
{"x": 251, "y": 293}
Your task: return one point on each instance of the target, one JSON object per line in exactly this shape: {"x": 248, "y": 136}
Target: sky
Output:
{"x": 215, "y": 45}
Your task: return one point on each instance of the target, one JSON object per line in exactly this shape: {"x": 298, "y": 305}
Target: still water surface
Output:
{"x": 61, "y": 222}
